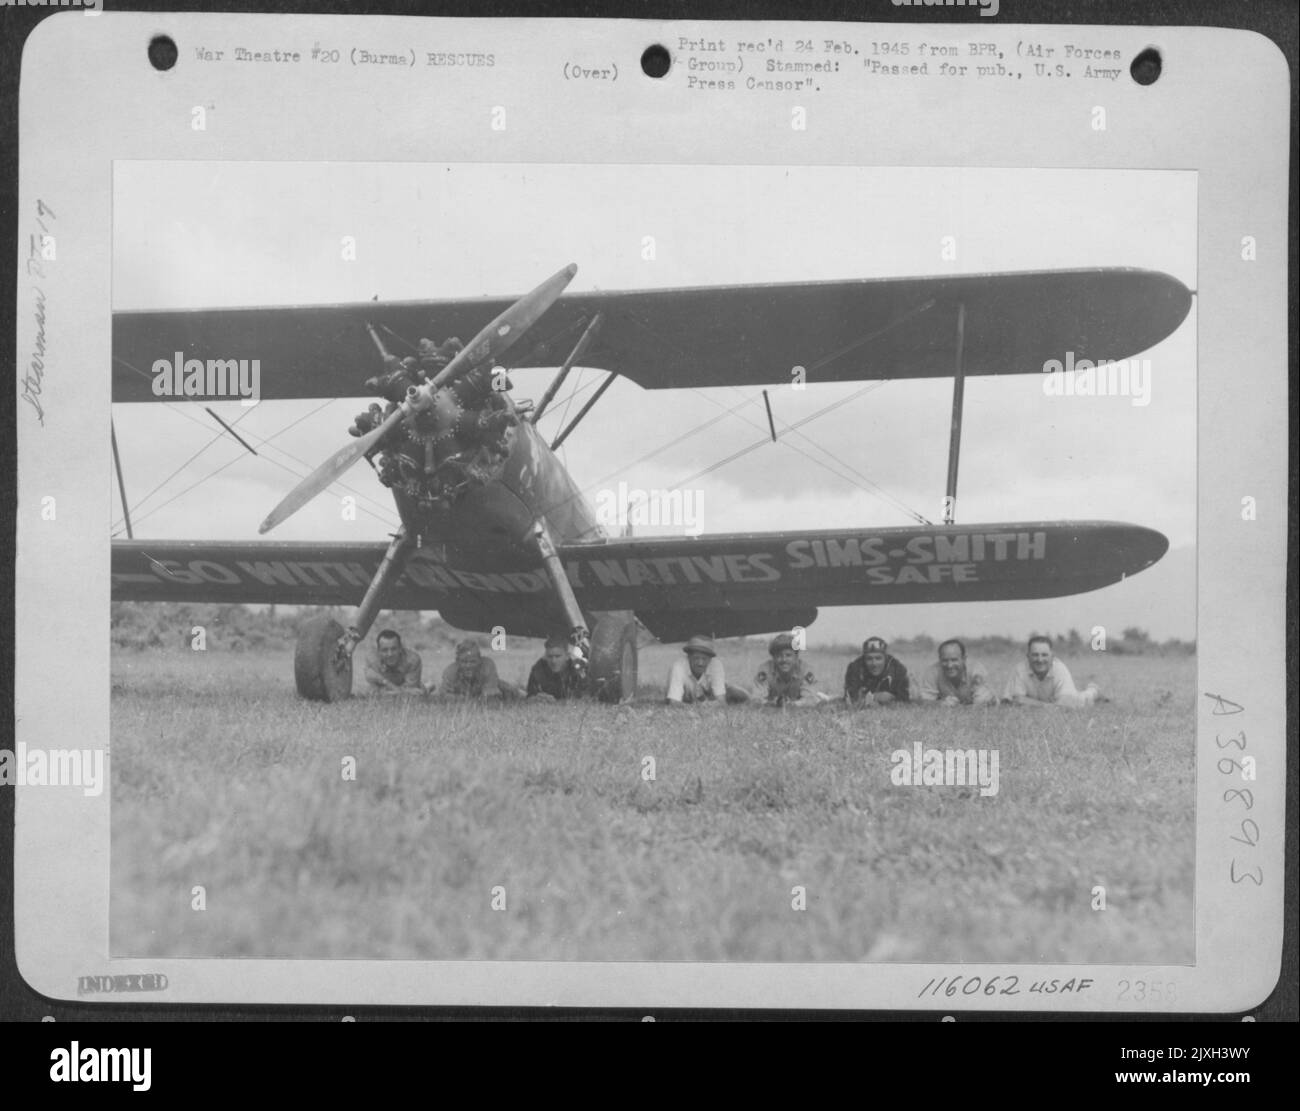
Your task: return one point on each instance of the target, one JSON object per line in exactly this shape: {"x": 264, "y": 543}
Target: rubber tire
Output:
{"x": 614, "y": 658}
{"x": 316, "y": 667}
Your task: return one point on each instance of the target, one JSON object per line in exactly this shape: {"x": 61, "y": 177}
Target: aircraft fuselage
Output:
{"x": 488, "y": 527}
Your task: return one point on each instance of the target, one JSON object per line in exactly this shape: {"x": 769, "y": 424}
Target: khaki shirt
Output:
{"x": 796, "y": 689}
{"x": 406, "y": 674}
{"x": 971, "y": 689}
{"x": 480, "y": 682}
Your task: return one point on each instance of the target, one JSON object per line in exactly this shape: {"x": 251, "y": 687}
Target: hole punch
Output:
{"x": 162, "y": 52}
{"x": 656, "y": 61}
{"x": 1146, "y": 66}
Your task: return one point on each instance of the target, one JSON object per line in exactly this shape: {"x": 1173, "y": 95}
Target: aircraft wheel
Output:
{"x": 614, "y": 658}
{"x": 321, "y": 673}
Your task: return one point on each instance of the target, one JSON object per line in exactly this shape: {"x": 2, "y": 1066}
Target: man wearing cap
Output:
{"x": 785, "y": 681}
{"x": 875, "y": 677}
{"x": 393, "y": 668}
{"x": 473, "y": 676}
{"x": 955, "y": 682}
{"x": 1042, "y": 680}
{"x": 558, "y": 676}
{"x": 698, "y": 677}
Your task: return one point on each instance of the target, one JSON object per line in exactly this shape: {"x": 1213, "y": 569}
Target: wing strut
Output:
{"x": 121, "y": 485}
{"x": 609, "y": 381}
{"x": 954, "y": 436}
{"x": 579, "y": 349}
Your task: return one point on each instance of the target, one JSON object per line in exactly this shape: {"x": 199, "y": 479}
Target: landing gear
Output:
{"x": 321, "y": 668}
{"x": 322, "y": 661}
{"x": 614, "y": 657}
{"x": 579, "y": 638}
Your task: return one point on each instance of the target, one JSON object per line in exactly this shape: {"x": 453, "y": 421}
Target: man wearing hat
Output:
{"x": 473, "y": 676}
{"x": 785, "y": 681}
{"x": 698, "y": 677}
{"x": 875, "y": 677}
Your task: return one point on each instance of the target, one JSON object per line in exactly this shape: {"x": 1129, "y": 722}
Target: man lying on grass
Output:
{"x": 1042, "y": 680}
{"x": 473, "y": 678}
{"x": 785, "y": 682}
{"x": 558, "y": 676}
{"x": 955, "y": 682}
{"x": 875, "y": 678}
{"x": 699, "y": 679}
{"x": 393, "y": 669}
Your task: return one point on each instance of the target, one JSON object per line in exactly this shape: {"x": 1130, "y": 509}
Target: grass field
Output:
{"x": 222, "y": 778}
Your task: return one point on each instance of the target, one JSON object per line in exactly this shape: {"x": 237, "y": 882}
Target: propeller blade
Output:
{"x": 491, "y": 342}
{"x": 497, "y": 337}
{"x": 328, "y": 472}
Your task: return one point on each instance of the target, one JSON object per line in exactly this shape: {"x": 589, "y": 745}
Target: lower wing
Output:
{"x": 728, "y": 585}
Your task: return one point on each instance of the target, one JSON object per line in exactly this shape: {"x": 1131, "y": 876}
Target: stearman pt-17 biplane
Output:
{"x": 495, "y": 534}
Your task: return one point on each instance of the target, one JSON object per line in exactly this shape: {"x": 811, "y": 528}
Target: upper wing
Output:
{"x": 706, "y": 336}
{"x": 727, "y": 585}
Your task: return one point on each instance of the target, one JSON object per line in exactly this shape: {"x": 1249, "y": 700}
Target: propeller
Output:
{"x": 490, "y": 343}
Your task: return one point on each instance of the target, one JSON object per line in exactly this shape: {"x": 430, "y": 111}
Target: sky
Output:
{"x": 203, "y": 234}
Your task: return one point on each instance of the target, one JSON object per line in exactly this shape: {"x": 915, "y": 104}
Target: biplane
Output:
{"x": 496, "y": 534}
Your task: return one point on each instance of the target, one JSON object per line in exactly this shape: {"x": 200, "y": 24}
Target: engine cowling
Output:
{"x": 458, "y": 437}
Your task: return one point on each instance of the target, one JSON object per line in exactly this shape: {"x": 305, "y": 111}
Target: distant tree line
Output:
{"x": 1131, "y": 642}
{"x": 237, "y": 628}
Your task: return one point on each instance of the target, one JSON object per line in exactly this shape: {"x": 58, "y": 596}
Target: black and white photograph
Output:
{"x": 644, "y": 514}
{"x": 711, "y": 569}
